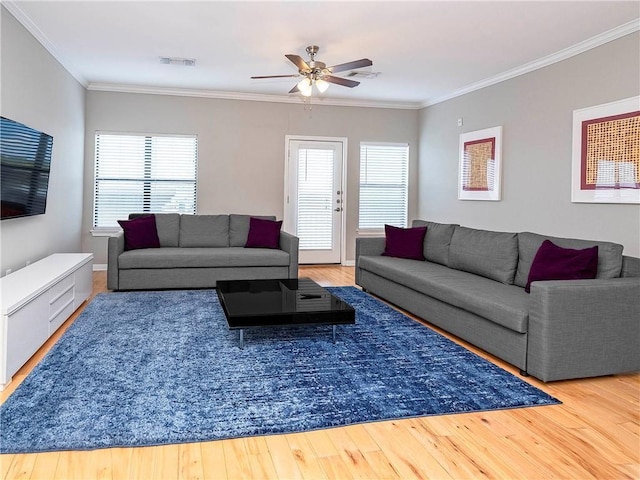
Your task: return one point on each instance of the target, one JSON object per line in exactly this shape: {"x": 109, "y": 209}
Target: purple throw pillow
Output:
{"x": 263, "y": 233}
{"x": 404, "y": 242}
{"x": 140, "y": 232}
{"x": 556, "y": 263}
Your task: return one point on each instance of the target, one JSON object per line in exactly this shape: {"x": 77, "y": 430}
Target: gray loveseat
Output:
{"x": 195, "y": 252}
{"x": 472, "y": 285}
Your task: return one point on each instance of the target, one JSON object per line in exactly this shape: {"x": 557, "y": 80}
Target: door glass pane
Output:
{"x": 315, "y": 198}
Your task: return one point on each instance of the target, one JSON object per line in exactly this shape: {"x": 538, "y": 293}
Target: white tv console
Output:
{"x": 35, "y": 301}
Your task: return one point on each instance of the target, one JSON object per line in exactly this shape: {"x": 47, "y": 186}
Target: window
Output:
{"x": 143, "y": 173}
{"x": 383, "y": 185}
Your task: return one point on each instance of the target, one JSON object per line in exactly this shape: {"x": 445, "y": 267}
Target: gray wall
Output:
{"x": 39, "y": 92}
{"x": 241, "y": 147}
{"x": 535, "y": 111}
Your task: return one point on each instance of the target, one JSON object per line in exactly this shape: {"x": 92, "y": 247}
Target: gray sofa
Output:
{"x": 195, "y": 252}
{"x": 471, "y": 285}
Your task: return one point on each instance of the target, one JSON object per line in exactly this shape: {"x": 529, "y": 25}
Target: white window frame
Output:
{"x": 109, "y": 230}
{"x": 377, "y": 230}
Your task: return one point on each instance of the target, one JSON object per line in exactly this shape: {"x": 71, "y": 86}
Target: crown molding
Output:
{"x": 252, "y": 97}
{"x": 578, "y": 48}
{"x": 34, "y": 30}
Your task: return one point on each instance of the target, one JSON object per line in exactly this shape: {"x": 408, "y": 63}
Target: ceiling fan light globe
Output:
{"x": 321, "y": 85}
{"x": 305, "y": 87}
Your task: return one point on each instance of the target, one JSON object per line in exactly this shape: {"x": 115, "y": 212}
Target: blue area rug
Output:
{"x": 151, "y": 368}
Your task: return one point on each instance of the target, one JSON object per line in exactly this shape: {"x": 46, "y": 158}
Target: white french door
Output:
{"x": 314, "y": 197}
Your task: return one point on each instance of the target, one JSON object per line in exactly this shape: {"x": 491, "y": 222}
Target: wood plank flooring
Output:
{"x": 594, "y": 434}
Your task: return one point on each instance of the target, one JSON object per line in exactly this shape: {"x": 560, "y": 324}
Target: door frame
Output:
{"x": 343, "y": 217}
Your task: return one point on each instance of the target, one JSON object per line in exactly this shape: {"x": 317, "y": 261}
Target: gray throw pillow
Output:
{"x": 489, "y": 254}
{"x": 609, "y": 254}
{"x": 204, "y": 231}
{"x": 437, "y": 240}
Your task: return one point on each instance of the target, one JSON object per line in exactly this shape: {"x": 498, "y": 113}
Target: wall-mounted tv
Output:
{"x": 25, "y": 162}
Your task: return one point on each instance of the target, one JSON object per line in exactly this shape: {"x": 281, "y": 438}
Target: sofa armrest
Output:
{"x": 368, "y": 247}
{"x": 115, "y": 247}
{"x": 290, "y": 244}
{"x": 630, "y": 267}
{"x": 583, "y": 328}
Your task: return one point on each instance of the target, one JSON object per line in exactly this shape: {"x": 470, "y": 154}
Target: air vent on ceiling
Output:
{"x": 363, "y": 74}
{"x": 187, "y": 62}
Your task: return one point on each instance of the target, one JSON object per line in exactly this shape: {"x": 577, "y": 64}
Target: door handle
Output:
{"x": 338, "y": 209}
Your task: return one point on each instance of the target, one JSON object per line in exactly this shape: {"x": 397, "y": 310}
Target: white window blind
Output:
{"x": 383, "y": 185}
{"x": 143, "y": 173}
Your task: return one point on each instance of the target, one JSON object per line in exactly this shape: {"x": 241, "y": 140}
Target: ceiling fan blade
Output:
{"x": 340, "y": 81}
{"x": 275, "y": 76}
{"x": 298, "y": 61}
{"x": 295, "y": 89}
{"x": 363, "y": 62}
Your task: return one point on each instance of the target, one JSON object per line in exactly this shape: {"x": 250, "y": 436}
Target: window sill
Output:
{"x": 104, "y": 232}
{"x": 372, "y": 232}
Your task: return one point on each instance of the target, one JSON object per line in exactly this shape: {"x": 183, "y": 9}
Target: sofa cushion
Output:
{"x": 437, "y": 241}
{"x": 557, "y": 263}
{"x": 140, "y": 233}
{"x": 630, "y": 267}
{"x": 506, "y": 305}
{"x": 489, "y": 254}
{"x": 263, "y": 233}
{"x": 239, "y": 228}
{"x": 168, "y": 229}
{"x": 168, "y": 226}
{"x": 200, "y": 257}
{"x": 204, "y": 231}
{"x": 609, "y": 254}
{"x": 404, "y": 242}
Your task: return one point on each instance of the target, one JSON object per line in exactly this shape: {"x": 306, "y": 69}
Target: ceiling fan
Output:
{"x": 318, "y": 74}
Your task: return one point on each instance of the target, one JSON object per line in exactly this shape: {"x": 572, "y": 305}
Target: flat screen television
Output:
{"x": 25, "y": 162}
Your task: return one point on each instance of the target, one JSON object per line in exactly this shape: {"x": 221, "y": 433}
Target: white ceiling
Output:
{"x": 424, "y": 51}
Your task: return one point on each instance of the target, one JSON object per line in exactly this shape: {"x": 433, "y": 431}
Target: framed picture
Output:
{"x": 480, "y": 167}
{"x": 606, "y": 153}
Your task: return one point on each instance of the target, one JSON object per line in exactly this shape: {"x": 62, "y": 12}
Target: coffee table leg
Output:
{"x": 242, "y": 338}
{"x": 334, "y": 333}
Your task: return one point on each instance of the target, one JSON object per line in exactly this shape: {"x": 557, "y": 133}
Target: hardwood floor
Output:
{"x": 594, "y": 434}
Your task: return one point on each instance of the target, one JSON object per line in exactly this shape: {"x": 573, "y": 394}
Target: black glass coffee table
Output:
{"x": 276, "y": 303}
